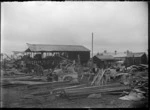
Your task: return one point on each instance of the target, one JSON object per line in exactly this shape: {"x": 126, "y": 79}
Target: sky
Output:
{"x": 117, "y": 26}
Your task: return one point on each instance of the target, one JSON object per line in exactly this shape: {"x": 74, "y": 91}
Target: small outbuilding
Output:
{"x": 136, "y": 59}
{"x": 104, "y": 61}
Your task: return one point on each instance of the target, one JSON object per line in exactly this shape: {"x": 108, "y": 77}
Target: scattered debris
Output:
{"x": 135, "y": 96}
{"x": 95, "y": 95}
{"x": 72, "y": 80}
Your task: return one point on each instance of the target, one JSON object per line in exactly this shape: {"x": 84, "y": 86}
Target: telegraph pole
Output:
{"x": 92, "y": 49}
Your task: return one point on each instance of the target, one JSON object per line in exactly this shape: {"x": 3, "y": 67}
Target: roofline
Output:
{"x": 54, "y": 45}
{"x": 54, "y": 51}
{"x": 57, "y": 51}
{"x": 87, "y": 50}
{"x": 105, "y": 58}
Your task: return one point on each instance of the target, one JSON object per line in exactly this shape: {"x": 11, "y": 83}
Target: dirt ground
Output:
{"x": 21, "y": 97}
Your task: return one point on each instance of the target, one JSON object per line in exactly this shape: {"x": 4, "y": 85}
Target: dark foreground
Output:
{"x": 22, "y": 97}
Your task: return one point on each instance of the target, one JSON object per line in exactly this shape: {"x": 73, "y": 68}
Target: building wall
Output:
{"x": 84, "y": 56}
{"x": 128, "y": 61}
{"x": 144, "y": 59}
{"x": 120, "y": 58}
{"x": 103, "y": 64}
{"x": 136, "y": 60}
{"x": 54, "y": 59}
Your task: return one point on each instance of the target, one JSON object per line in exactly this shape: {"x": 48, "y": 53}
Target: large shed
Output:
{"x": 53, "y": 53}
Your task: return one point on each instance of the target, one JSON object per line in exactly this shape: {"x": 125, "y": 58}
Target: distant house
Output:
{"x": 103, "y": 61}
{"x": 120, "y": 56}
{"x": 128, "y": 57}
{"x": 136, "y": 59}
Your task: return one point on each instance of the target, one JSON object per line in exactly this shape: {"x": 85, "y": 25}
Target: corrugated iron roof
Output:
{"x": 119, "y": 54}
{"x": 47, "y": 47}
{"x": 105, "y": 57}
{"x": 136, "y": 54}
{"x": 18, "y": 52}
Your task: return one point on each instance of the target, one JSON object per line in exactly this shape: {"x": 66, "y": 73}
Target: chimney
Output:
{"x": 115, "y": 52}
{"x": 98, "y": 53}
{"x": 105, "y": 51}
{"x": 128, "y": 52}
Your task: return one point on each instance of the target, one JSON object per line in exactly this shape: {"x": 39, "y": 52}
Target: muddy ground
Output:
{"x": 21, "y": 97}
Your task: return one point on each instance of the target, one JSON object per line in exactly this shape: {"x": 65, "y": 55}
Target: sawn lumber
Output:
{"x": 95, "y": 90}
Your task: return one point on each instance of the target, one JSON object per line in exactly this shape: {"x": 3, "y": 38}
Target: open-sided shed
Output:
{"x": 52, "y": 54}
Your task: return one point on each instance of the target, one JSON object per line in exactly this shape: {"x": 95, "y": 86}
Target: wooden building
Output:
{"x": 104, "y": 61}
{"x": 136, "y": 59}
{"x": 48, "y": 55}
{"x": 120, "y": 56}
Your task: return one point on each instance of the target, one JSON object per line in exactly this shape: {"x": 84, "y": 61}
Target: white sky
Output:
{"x": 117, "y": 26}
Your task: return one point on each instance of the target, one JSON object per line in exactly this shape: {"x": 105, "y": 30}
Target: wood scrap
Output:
{"x": 52, "y": 84}
{"x": 92, "y": 89}
{"x": 95, "y": 87}
{"x": 70, "y": 87}
{"x": 41, "y": 93}
{"x": 100, "y": 79}
{"x": 95, "y": 78}
{"x": 95, "y": 91}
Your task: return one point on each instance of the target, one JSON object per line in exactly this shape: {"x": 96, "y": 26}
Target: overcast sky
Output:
{"x": 117, "y": 26}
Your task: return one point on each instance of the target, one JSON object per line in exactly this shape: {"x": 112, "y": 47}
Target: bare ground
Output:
{"x": 21, "y": 96}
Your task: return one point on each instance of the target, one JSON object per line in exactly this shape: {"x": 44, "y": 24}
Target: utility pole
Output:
{"x": 92, "y": 49}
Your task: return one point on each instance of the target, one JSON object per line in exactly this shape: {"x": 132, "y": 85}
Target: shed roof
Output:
{"x": 105, "y": 57}
{"x": 119, "y": 54}
{"x": 18, "y": 52}
{"x": 136, "y": 54}
{"x": 47, "y": 47}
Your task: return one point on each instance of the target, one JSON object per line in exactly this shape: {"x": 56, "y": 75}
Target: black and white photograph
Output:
{"x": 74, "y": 54}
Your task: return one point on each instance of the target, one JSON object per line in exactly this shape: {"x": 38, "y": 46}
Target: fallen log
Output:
{"x": 12, "y": 85}
{"x": 52, "y": 84}
{"x": 40, "y": 79}
{"x": 91, "y": 92}
{"x": 41, "y": 93}
{"x": 83, "y": 88}
{"x": 70, "y": 87}
{"x": 95, "y": 90}
{"x": 94, "y": 87}
{"x": 18, "y": 78}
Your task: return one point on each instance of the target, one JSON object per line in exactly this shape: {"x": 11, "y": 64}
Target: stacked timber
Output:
{"x": 95, "y": 89}
{"x": 52, "y": 84}
{"x": 57, "y": 90}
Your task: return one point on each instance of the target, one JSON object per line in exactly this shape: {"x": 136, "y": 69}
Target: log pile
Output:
{"x": 94, "y": 90}
{"x": 85, "y": 90}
